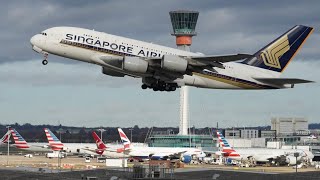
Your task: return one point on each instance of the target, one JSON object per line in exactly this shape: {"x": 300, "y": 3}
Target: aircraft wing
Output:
{"x": 209, "y": 60}
{"x": 221, "y": 58}
{"x": 282, "y": 81}
{"x": 156, "y": 64}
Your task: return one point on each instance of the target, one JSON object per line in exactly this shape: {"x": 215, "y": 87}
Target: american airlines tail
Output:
{"x": 54, "y": 142}
{"x": 124, "y": 139}
{"x": 227, "y": 150}
{"x": 277, "y": 55}
{"x": 19, "y": 142}
{"x": 5, "y": 137}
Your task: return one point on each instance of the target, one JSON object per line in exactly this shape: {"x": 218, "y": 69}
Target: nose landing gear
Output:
{"x": 45, "y": 61}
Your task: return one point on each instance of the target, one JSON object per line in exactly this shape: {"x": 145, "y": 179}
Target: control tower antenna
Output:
{"x": 184, "y": 24}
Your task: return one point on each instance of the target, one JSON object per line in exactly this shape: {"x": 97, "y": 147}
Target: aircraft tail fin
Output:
{"x": 227, "y": 150}
{"x": 5, "y": 137}
{"x": 124, "y": 139}
{"x": 19, "y": 142}
{"x": 278, "y": 54}
{"x": 54, "y": 142}
{"x": 99, "y": 142}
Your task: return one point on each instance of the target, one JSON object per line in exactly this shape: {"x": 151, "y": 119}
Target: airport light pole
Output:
{"x": 8, "y": 146}
{"x": 131, "y": 134}
{"x": 101, "y": 131}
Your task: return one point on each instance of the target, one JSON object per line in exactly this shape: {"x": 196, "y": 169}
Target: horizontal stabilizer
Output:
{"x": 282, "y": 81}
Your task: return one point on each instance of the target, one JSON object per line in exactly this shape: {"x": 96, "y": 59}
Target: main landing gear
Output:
{"x": 160, "y": 86}
{"x": 45, "y": 61}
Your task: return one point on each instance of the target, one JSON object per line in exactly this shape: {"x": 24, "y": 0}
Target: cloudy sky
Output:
{"x": 75, "y": 93}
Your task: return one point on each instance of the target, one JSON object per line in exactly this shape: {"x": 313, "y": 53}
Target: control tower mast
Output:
{"x": 184, "y": 24}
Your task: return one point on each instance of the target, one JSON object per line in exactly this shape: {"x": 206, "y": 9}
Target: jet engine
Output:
{"x": 291, "y": 160}
{"x": 174, "y": 63}
{"x": 186, "y": 159}
{"x": 99, "y": 151}
{"x": 135, "y": 64}
{"x": 110, "y": 72}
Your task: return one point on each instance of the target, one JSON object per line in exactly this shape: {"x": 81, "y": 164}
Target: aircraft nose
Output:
{"x": 34, "y": 39}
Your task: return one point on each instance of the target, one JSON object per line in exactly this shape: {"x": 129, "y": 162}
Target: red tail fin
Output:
{"x": 100, "y": 144}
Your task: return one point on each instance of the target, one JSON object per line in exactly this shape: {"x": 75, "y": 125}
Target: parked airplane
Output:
{"x": 54, "y": 142}
{"x": 186, "y": 154}
{"x": 312, "y": 137}
{"x": 5, "y": 138}
{"x": 261, "y": 154}
{"x": 102, "y": 149}
{"x": 20, "y": 143}
{"x": 165, "y": 69}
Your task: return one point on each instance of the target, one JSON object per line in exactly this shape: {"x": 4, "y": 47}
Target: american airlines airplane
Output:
{"x": 157, "y": 153}
{"x": 165, "y": 69}
{"x": 54, "y": 143}
{"x": 263, "y": 155}
{"x": 20, "y": 143}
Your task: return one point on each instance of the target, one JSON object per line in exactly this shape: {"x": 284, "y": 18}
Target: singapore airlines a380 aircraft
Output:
{"x": 165, "y": 69}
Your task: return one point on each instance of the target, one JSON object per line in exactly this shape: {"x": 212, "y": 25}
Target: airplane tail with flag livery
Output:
{"x": 19, "y": 142}
{"x": 227, "y": 150}
{"x": 5, "y": 137}
{"x": 54, "y": 142}
{"x": 278, "y": 54}
{"x": 124, "y": 139}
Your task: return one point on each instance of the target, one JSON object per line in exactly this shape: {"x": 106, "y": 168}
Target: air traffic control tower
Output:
{"x": 184, "y": 25}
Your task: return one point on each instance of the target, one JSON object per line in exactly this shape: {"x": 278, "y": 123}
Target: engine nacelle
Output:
{"x": 174, "y": 63}
{"x": 186, "y": 159}
{"x": 111, "y": 72}
{"x": 135, "y": 64}
{"x": 291, "y": 160}
{"x": 99, "y": 151}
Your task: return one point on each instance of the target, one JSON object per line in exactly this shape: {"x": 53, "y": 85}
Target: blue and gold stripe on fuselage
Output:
{"x": 241, "y": 83}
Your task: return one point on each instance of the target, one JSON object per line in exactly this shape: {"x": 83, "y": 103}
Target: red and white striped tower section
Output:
{"x": 184, "y": 24}
{"x": 54, "y": 142}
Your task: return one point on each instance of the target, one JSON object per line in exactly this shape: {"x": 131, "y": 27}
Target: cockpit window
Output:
{"x": 43, "y": 33}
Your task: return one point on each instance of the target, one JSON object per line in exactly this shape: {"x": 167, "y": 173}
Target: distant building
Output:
{"x": 249, "y": 133}
{"x": 238, "y": 133}
{"x": 232, "y": 133}
{"x": 289, "y": 126}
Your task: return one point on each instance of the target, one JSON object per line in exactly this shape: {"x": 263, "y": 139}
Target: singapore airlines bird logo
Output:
{"x": 273, "y": 53}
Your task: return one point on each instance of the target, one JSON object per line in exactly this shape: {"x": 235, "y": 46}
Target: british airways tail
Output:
{"x": 124, "y": 139}
{"x": 54, "y": 142}
{"x": 278, "y": 54}
{"x": 5, "y": 137}
{"x": 227, "y": 150}
{"x": 19, "y": 142}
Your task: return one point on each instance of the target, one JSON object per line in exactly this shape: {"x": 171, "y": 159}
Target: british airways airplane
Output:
{"x": 165, "y": 69}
